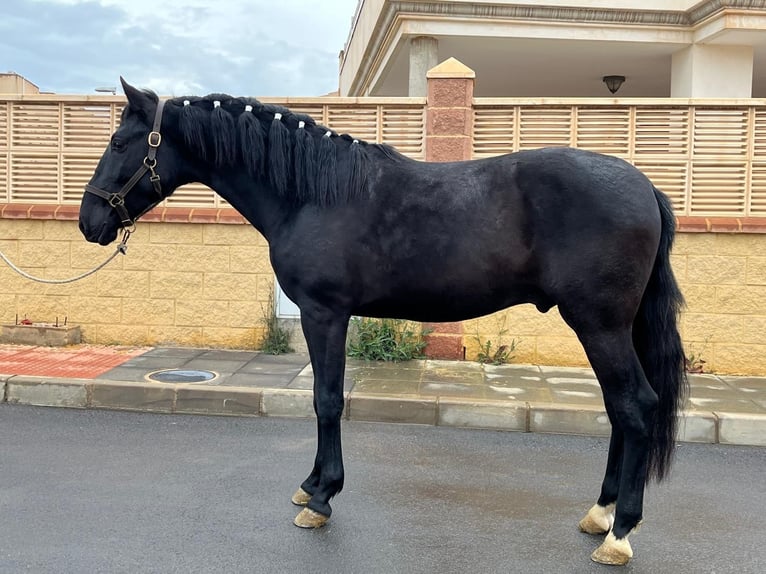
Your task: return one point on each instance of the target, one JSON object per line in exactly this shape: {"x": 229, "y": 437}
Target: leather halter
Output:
{"x": 117, "y": 200}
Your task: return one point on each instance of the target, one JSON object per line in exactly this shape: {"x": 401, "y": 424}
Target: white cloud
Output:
{"x": 253, "y": 47}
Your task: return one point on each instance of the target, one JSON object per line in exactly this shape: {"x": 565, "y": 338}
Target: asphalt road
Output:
{"x": 99, "y": 491}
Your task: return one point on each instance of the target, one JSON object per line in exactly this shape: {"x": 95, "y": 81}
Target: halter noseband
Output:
{"x": 117, "y": 200}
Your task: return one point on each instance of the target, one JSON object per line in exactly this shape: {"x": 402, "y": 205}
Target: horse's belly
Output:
{"x": 451, "y": 305}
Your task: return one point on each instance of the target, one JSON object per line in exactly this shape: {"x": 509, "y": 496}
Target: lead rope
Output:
{"x": 121, "y": 248}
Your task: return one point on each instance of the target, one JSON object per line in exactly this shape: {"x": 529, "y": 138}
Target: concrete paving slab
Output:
{"x": 567, "y": 372}
{"x": 713, "y": 391}
{"x": 307, "y": 383}
{"x": 227, "y": 355}
{"x": 465, "y": 373}
{"x": 392, "y": 409}
{"x": 154, "y": 362}
{"x": 287, "y": 403}
{"x": 568, "y": 419}
{"x": 578, "y": 395}
{"x": 753, "y": 383}
{"x": 697, "y": 427}
{"x": 499, "y": 415}
{"x": 38, "y": 391}
{"x": 467, "y": 391}
{"x": 270, "y": 368}
{"x": 365, "y": 373}
{"x": 286, "y": 359}
{"x": 499, "y": 392}
{"x": 513, "y": 370}
{"x": 387, "y": 387}
{"x": 135, "y": 374}
{"x": 741, "y": 428}
{"x": 219, "y": 366}
{"x": 123, "y": 395}
{"x": 259, "y": 380}
{"x": 218, "y": 401}
{"x": 725, "y": 405}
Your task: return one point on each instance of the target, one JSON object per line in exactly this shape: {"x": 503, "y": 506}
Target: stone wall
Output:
{"x": 195, "y": 284}
{"x": 208, "y": 284}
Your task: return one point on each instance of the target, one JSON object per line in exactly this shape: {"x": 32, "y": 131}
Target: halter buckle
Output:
{"x": 154, "y": 139}
{"x": 116, "y": 199}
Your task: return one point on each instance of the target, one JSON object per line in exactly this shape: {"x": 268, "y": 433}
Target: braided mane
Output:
{"x": 303, "y": 161}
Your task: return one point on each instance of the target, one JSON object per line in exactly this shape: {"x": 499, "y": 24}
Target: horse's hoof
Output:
{"x": 614, "y": 551}
{"x": 599, "y": 520}
{"x": 301, "y": 497}
{"x": 308, "y": 518}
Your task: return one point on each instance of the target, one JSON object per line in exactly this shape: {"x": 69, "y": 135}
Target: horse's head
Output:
{"x": 136, "y": 172}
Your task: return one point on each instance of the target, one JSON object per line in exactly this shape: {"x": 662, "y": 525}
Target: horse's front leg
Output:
{"x": 326, "y": 338}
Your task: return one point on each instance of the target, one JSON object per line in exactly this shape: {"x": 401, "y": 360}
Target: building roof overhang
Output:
{"x": 381, "y": 30}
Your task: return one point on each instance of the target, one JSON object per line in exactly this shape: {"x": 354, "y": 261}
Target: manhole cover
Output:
{"x": 181, "y": 376}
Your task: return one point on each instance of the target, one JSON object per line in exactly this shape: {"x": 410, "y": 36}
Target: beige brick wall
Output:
{"x": 207, "y": 284}
{"x": 180, "y": 283}
{"x": 722, "y": 276}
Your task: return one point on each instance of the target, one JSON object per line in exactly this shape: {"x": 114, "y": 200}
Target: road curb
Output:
{"x": 537, "y": 417}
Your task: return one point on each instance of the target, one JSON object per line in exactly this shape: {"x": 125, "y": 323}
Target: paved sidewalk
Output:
{"x": 726, "y": 410}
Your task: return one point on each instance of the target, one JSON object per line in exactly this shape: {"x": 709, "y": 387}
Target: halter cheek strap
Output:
{"x": 117, "y": 200}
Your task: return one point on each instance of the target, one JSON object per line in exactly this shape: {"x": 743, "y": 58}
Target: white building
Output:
{"x": 561, "y": 48}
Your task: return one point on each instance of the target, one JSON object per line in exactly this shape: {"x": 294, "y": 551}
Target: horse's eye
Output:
{"x": 117, "y": 144}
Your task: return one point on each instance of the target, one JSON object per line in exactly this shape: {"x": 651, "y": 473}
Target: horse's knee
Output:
{"x": 636, "y": 418}
{"x": 329, "y": 410}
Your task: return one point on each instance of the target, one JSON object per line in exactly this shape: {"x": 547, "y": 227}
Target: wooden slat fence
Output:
{"x": 50, "y": 145}
{"x": 709, "y": 157}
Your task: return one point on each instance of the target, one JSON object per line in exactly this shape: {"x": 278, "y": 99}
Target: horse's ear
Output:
{"x": 139, "y": 101}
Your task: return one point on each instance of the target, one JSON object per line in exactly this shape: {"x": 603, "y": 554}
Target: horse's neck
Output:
{"x": 253, "y": 200}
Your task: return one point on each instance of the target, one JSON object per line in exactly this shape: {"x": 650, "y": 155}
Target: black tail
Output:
{"x": 658, "y": 344}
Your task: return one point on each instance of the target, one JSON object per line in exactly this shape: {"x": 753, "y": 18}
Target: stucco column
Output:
{"x": 449, "y": 129}
{"x": 424, "y": 55}
{"x": 712, "y": 71}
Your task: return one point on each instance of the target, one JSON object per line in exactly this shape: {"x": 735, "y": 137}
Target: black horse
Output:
{"x": 358, "y": 229}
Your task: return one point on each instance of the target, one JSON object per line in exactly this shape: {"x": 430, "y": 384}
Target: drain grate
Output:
{"x": 181, "y": 376}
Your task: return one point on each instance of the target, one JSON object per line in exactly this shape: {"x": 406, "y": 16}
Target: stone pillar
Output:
{"x": 449, "y": 129}
{"x": 424, "y": 55}
{"x": 449, "y": 112}
{"x": 712, "y": 71}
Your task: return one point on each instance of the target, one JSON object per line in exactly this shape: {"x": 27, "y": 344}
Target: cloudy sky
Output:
{"x": 177, "y": 47}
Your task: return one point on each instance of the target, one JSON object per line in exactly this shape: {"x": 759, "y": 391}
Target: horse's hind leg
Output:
{"x": 631, "y": 404}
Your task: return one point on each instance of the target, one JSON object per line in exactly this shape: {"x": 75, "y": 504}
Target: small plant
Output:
{"x": 693, "y": 362}
{"x": 491, "y": 355}
{"x": 500, "y": 356}
{"x": 385, "y": 339}
{"x": 276, "y": 339}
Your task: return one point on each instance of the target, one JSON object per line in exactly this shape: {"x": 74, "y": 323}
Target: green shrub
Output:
{"x": 385, "y": 339}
